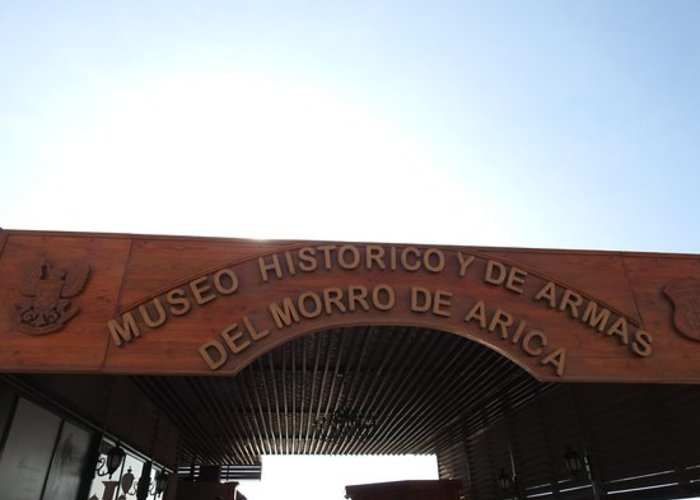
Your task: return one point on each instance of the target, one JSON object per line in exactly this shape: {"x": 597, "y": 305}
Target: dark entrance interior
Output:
{"x": 392, "y": 390}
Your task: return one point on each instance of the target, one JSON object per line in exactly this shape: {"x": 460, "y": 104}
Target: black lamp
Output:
{"x": 573, "y": 461}
{"x": 115, "y": 457}
{"x": 161, "y": 481}
{"x": 504, "y": 481}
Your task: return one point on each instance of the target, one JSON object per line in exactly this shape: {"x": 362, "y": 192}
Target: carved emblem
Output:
{"x": 48, "y": 290}
{"x": 685, "y": 298}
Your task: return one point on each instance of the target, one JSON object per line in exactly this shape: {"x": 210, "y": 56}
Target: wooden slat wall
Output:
{"x": 453, "y": 461}
{"x": 642, "y": 441}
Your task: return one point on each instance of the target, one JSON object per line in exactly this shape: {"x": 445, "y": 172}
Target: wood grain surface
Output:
{"x": 186, "y": 305}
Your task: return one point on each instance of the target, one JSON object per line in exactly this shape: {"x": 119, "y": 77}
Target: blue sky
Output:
{"x": 546, "y": 124}
{"x": 504, "y": 123}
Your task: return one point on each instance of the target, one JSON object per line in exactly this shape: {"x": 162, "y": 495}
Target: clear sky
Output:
{"x": 325, "y": 477}
{"x": 545, "y": 123}
{"x": 504, "y": 123}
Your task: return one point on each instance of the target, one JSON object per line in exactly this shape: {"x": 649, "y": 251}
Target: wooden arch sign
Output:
{"x": 171, "y": 305}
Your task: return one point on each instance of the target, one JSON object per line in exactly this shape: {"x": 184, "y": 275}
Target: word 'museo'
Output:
{"x": 175, "y": 302}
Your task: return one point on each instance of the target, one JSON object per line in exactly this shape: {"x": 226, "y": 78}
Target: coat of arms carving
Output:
{"x": 685, "y": 298}
{"x": 47, "y": 291}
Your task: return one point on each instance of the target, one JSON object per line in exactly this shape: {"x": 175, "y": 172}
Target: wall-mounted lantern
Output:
{"x": 111, "y": 462}
{"x": 504, "y": 481}
{"x": 161, "y": 482}
{"x": 573, "y": 461}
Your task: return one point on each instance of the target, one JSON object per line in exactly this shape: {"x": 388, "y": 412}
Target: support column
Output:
{"x": 144, "y": 481}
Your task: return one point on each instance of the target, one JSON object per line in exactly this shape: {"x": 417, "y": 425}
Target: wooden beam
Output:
{"x": 121, "y": 304}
